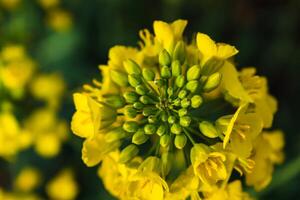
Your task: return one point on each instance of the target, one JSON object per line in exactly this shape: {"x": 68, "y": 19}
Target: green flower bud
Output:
{"x": 192, "y": 86}
{"x": 130, "y": 112}
{"x": 134, "y": 80}
{"x": 152, "y": 119}
{"x": 185, "y": 103}
{"x": 164, "y": 116}
{"x": 176, "y": 68}
{"x": 170, "y": 91}
{"x": 176, "y": 128}
{"x": 147, "y": 111}
{"x": 180, "y": 141}
{"x": 165, "y": 72}
{"x": 177, "y": 102}
{"x": 131, "y": 67}
{"x": 146, "y": 100}
{"x": 161, "y": 130}
{"x": 159, "y": 82}
{"x": 180, "y": 81}
{"x": 164, "y": 58}
{"x": 150, "y": 129}
{"x": 141, "y": 90}
{"x": 138, "y": 105}
{"x": 139, "y": 137}
{"x": 165, "y": 140}
{"x": 182, "y": 94}
{"x": 193, "y": 73}
{"x": 131, "y": 96}
{"x": 119, "y": 78}
{"x": 115, "y": 101}
{"x": 114, "y": 135}
{"x": 185, "y": 121}
{"x": 179, "y": 52}
{"x": 182, "y": 112}
{"x": 196, "y": 101}
{"x": 130, "y": 126}
{"x": 171, "y": 119}
{"x": 166, "y": 160}
{"x": 128, "y": 153}
{"x": 212, "y": 82}
{"x": 148, "y": 74}
{"x": 208, "y": 129}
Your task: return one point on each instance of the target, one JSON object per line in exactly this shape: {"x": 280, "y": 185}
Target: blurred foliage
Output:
{"x": 266, "y": 32}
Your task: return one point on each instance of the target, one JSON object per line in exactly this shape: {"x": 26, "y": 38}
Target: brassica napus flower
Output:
{"x": 161, "y": 103}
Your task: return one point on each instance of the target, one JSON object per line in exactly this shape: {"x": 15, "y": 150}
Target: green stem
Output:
{"x": 189, "y": 136}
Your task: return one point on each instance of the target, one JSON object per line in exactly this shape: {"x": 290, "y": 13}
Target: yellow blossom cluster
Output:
{"x": 173, "y": 119}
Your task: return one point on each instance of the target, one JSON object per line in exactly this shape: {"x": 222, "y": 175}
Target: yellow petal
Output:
{"x": 225, "y": 51}
{"x": 206, "y": 46}
{"x": 178, "y": 27}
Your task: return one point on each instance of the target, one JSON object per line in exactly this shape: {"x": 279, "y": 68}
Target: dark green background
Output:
{"x": 266, "y": 32}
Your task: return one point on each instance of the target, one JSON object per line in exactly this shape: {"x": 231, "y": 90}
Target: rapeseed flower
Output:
{"x": 156, "y": 123}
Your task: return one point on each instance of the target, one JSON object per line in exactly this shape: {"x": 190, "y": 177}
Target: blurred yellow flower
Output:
{"x": 27, "y": 180}
{"x": 10, "y": 4}
{"x": 63, "y": 186}
{"x": 60, "y": 20}
{"x": 48, "y": 3}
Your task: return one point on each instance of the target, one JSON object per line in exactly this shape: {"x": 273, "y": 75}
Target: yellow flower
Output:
{"x": 96, "y": 148}
{"x": 146, "y": 183}
{"x": 28, "y": 179}
{"x": 48, "y": 3}
{"x": 209, "y": 49}
{"x": 116, "y": 176}
{"x": 169, "y": 34}
{"x": 186, "y": 185}
{"x": 268, "y": 151}
{"x": 208, "y": 165}
{"x": 233, "y": 191}
{"x": 63, "y": 186}
{"x": 12, "y": 53}
{"x": 10, "y": 4}
{"x": 48, "y": 87}
{"x": 60, "y": 20}
{"x": 47, "y": 130}
{"x": 90, "y": 116}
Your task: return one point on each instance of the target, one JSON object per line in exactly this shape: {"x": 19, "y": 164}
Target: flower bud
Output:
{"x": 115, "y": 101}
{"x": 150, "y": 129}
{"x": 159, "y": 82}
{"x": 179, "y": 52}
{"x": 164, "y": 116}
{"x": 134, "y": 80}
{"x": 152, "y": 119}
{"x": 208, "y": 129}
{"x": 177, "y": 102}
{"x": 131, "y": 67}
{"x": 141, "y": 90}
{"x": 212, "y": 82}
{"x": 114, "y": 135}
{"x": 176, "y": 128}
{"x": 119, "y": 78}
{"x": 182, "y": 94}
{"x": 131, "y": 96}
{"x": 196, "y": 101}
{"x": 148, "y": 74}
{"x": 193, "y": 73}
{"x": 130, "y": 126}
{"x": 130, "y": 112}
{"x": 138, "y": 105}
{"x": 164, "y": 58}
{"x": 182, "y": 112}
{"x": 176, "y": 68}
{"x": 146, "y": 100}
{"x": 161, "y": 130}
{"x": 180, "y": 81}
{"x": 128, "y": 153}
{"x": 185, "y": 121}
{"x": 170, "y": 91}
{"x": 192, "y": 86}
{"x": 171, "y": 119}
{"x": 165, "y": 140}
{"x": 165, "y": 72}
{"x": 180, "y": 141}
{"x": 139, "y": 137}
{"x": 185, "y": 103}
{"x": 147, "y": 111}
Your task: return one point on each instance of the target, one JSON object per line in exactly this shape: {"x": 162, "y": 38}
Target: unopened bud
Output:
{"x": 165, "y": 72}
{"x": 134, "y": 80}
{"x": 192, "y": 86}
{"x": 185, "y": 121}
{"x": 131, "y": 67}
{"x": 185, "y": 103}
{"x": 208, "y": 129}
{"x": 147, "y": 111}
{"x": 131, "y": 96}
{"x": 128, "y": 153}
{"x": 179, "y": 52}
{"x": 119, "y": 78}
{"x": 130, "y": 112}
{"x": 193, "y": 73}
{"x": 130, "y": 126}
{"x": 146, "y": 100}
{"x": 196, "y": 101}
{"x": 138, "y": 105}
{"x": 182, "y": 94}
{"x": 180, "y": 141}
{"x": 139, "y": 137}
{"x": 114, "y": 135}
{"x": 161, "y": 130}
{"x": 150, "y": 129}
{"x": 176, "y": 68}
{"x": 176, "y": 128}
{"x": 165, "y": 140}
{"x": 148, "y": 74}
{"x": 164, "y": 58}
{"x": 180, "y": 81}
{"x": 141, "y": 90}
{"x": 115, "y": 101}
{"x": 212, "y": 82}
{"x": 171, "y": 119}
